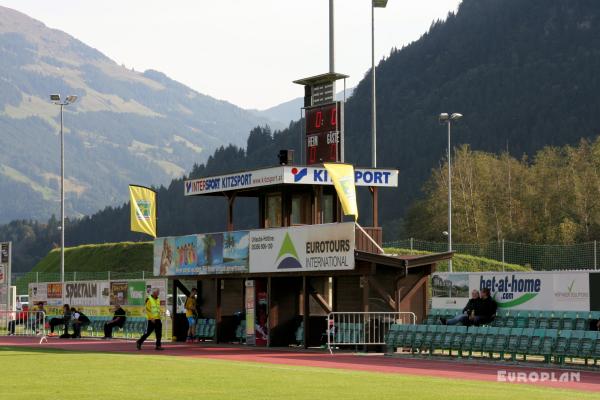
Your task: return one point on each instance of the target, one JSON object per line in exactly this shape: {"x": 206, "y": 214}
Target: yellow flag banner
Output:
{"x": 143, "y": 209}
{"x": 342, "y": 176}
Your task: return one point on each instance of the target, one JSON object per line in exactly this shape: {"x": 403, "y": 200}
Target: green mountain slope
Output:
{"x": 126, "y": 127}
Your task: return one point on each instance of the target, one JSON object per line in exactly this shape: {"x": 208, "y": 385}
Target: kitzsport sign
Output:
{"x": 561, "y": 291}
{"x": 286, "y": 175}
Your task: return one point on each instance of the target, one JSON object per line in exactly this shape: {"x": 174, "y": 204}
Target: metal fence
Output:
{"x": 23, "y": 279}
{"x": 363, "y": 328}
{"x": 539, "y": 257}
{"x": 23, "y": 323}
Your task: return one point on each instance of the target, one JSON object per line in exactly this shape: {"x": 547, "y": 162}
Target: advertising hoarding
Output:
{"x": 300, "y": 175}
{"x": 561, "y": 291}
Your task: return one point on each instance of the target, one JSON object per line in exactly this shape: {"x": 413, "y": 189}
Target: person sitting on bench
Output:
{"x": 119, "y": 318}
{"x": 66, "y": 318}
{"x": 463, "y": 318}
{"x": 486, "y": 312}
{"x": 80, "y": 320}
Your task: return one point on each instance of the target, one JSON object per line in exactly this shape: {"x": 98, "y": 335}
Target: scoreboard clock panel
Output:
{"x": 324, "y": 132}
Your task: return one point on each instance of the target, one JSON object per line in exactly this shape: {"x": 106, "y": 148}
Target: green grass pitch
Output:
{"x": 42, "y": 374}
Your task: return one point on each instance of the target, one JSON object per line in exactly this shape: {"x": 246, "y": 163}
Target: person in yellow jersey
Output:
{"x": 154, "y": 322}
{"x": 192, "y": 314}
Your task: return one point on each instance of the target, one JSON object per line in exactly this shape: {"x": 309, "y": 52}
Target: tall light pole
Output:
{"x": 55, "y": 98}
{"x": 374, "y": 4}
{"x": 447, "y": 119}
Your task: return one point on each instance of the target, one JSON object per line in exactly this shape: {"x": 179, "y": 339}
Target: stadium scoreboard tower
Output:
{"x": 324, "y": 129}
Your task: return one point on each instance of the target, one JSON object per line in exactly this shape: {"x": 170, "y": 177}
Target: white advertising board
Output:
{"x": 560, "y": 291}
{"x": 327, "y": 247}
{"x": 287, "y": 175}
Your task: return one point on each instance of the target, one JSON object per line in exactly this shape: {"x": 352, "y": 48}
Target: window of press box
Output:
{"x": 301, "y": 209}
{"x": 328, "y": 208}
{"x": 273, "y": 211}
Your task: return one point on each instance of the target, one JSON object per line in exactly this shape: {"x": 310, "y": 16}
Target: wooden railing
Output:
{"x": 364, "y": 244}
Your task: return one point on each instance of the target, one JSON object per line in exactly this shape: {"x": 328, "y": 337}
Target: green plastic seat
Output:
{"x": 446, "y": 343}
{"x": 417, "y": 342}
{"x": 407, "y": 338}
{"x": 589, "y": 343}
{"x": 555, "y": 321}
{"x": 435, "y": 340}
{"x": 523, "y": 343}
{"x": 479, "y": 340}
{"x": 548, "y": 344}
{"x": 458, "y": 340}
{"x": 499, "y": 342}
{"x": 574, "y": 345}
{"x": 561, "y": 345}
{"x": 398, "y": 338}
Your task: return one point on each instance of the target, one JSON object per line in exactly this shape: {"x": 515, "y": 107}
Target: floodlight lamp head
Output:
{"x": 445, "y": 233}
{"x": 443, "y": 118}
{"x": 71, "y": 99}
{"x": 55, "y": 98}
{"x": 456, "y": 116}
{"x": 380, "y": 3}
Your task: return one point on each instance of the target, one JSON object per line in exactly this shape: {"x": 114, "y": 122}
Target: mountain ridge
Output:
{"x": 126, "y": 126}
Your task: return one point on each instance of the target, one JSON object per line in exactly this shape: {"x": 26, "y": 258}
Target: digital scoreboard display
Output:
{"x": 323, "y": 133}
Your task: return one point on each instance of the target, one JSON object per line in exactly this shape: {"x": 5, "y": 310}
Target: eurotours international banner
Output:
{"x": 553, "y": 291}
{"x": 326, "y": 247}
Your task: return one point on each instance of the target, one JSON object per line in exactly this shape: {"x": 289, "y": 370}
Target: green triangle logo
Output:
{"x": 287, "y": 247}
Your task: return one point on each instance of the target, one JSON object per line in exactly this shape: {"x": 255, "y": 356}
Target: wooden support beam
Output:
{"x": 334, "y": 296}
{"x": 269, "y": 312}
{"x": 230, "y": 202}
{"x": 174, "y": 306}
{"x": 305, "y": 311}
{"x": 382, "y": 292}
{"x": 319, "y": 299}
{"x": 375, "y": 206}
{"x": 365, "y": 292}
{"x": 217, "y": 309}
{"x": 181, "y": 287}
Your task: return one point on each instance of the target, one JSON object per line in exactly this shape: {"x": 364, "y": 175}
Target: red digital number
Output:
{"x": 333, "y": 152}
{"x": 312, "y": 154}
{"x": 318, "y": 119}
{"x": 333, "y": 119}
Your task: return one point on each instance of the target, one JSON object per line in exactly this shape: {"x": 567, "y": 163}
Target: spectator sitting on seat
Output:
{"x": 60, "y": 321}
{"x": 119, "y": 318}
{"x": 486, "y": 312}
{"x": 79, "y": 321}
{"x": 463, "y": 318}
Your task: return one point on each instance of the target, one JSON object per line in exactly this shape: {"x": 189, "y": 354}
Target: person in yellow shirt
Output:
{"x": 192, "y": 314}
{"x": 154, "y": 322}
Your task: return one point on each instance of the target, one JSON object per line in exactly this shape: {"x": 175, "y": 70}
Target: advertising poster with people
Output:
{"x": 211, "y": 253}
{"x": 118, "y": 293}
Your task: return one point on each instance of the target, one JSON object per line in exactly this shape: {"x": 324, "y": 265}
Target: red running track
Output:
{"x": 453, "y": 369}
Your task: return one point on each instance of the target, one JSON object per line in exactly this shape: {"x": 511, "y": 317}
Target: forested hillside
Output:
{"x": 523, "y": 73}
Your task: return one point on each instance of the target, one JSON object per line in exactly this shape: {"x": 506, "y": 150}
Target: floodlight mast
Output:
{"x": 447, "y": 119}
{"x": 55, "y": 98}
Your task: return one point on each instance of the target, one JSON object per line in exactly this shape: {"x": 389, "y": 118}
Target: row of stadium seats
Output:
{"x": 205, "y": 328}
{"x": 567, "y": 320}
{"x": 491, "y": 340}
